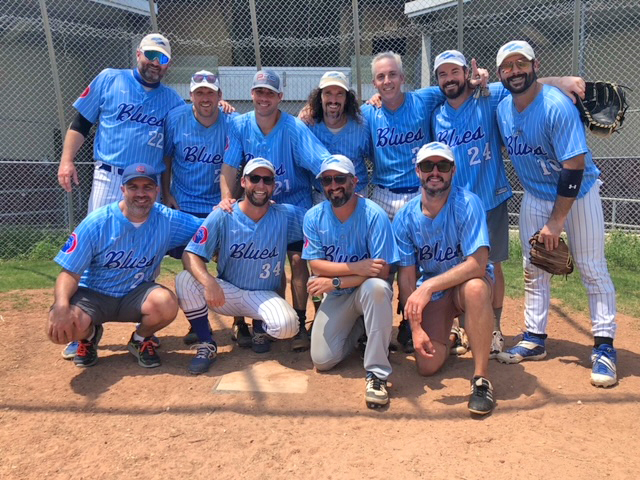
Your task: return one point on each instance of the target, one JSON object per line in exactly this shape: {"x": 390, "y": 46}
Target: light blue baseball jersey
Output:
{"x": 292, "y": 149}
{"x": 114, "y": 256}
{"x": 366, "y": 234}
{"x": 439, "y": 244}
{"x": 472, "y": 133}
{"x": 541, "y": 137}
{"x": 131, "y": 118}
{"x": 353, "y": 141}
{"x": 197, "y": 152}
{"x": 398, "y": 135}
{"x": 252, "y": 255}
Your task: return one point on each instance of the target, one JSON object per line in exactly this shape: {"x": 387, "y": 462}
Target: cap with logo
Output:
{"x": 267, "y": 79}
{"x": 511, "y": 48}
{"x": 204, "y": 78}
{"x": 339, "y": 163}
{"x": 139, "y": 170}
{"x": 338, "y": 79}
{"x": 156, "y": 42}
{"x": 449, "y": 56}
{"x": 258, "y": 162}
{"x": 434, "y": 149}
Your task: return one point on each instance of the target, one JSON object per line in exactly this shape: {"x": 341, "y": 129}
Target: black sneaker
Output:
{"x": 405, "y": 338}
{"x": 145, "y": 352}
{"x": 241, "y": 334}
{"x": 481, "y": 401}
{"x": 301, "y": 341}
{"x": 87, "y": 352}
{"x": 376, "y": 394}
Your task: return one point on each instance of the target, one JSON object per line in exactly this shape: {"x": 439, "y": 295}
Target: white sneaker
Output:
{"x": 497, "y": 344}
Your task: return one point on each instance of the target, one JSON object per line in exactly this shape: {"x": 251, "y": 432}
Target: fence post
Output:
{"x": 56, "y": 86}
{"x": 460, "y": 26}
{"x": 154, "y": 19}
{"x": 356, "y": 46}
{"x": 254, "y": 28}
{"x": 575, "y": 52}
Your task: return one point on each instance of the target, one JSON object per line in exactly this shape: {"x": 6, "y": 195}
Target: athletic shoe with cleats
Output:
{"x": 405, "y": 338}
{"x": 604, "y": 359}
{"x": 301, "y": 341}
{"x": 481, "y": 401}
{"x": 70, "y": 350}
{"x": 205, "y": 356}
{"x": 145, "y": 352}
{"x": 529, "y": 348}
{"x": 376, "y": 395}
{"x": 260, "y": 342}
{"x": 241, "y": 334}
{"x": 460, "y": 345}
{"x": 497, "y": 344}
{"x": 87, "y": 351}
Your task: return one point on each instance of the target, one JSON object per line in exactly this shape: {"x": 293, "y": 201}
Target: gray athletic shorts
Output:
{"x": 104, "y": 308}
{"x": 498, "y": 224}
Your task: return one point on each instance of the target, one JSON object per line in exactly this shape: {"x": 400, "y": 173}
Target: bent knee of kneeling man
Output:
{"x": 378, "y": 289}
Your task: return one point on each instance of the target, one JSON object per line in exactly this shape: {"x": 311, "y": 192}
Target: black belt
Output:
{"x": 400, "y": 190}
{"x": 109, "y": 168}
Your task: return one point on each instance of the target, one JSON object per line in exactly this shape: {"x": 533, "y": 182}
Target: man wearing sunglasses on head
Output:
{"x": 350, "y": 245}
{"x": 251, "y": 243}
{"x": 443, "y": 232}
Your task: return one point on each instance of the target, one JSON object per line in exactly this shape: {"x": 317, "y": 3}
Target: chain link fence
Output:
{"x": 51, "y": 49}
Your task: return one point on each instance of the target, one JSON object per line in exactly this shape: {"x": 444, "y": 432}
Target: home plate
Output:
{"x": 266, "y": 377}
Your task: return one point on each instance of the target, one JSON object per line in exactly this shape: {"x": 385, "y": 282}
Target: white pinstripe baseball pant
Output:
{"x": 280, "y": 319}
{"x": 389, "y": 201}
{"x": 105, "y": 188}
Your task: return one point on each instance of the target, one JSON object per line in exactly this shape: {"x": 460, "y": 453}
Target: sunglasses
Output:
{"x": 267, "y": 180}
{"x": 444, "y": 166}
{"x": 328, "y": 179}
{"x": 507, "y": 67}
{"x": 206, "y": 78}
{"x": 152, "y": 55}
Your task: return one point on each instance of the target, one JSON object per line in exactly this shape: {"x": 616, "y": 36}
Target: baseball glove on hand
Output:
{"x": 557, "y": 261}
{"x": 603, "y": 108}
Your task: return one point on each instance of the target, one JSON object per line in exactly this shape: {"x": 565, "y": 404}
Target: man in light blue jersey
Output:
{"x": 443, "y": 234}
{"x": 338, "y": 124}
{"x": 109, "y": 266}
{"x": 251, "y": 243}
{"x": 130, "y": 106}
{"x": 546, "y": 142}
{"x": 350, "y": 246}
{"x": 296, "y": 154}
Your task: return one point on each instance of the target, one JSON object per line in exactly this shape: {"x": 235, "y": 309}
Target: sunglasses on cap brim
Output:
{"x": 198, "y": 78}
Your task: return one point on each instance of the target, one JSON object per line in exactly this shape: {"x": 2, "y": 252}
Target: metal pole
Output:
{"x": 356, "y": 45}
{"x": 460, "y": 26}
{"x": 577, "y": 11}
{"x": 254, "y": 28}
{"x": 152, "y": 13}
{"x": 58, "y": 92}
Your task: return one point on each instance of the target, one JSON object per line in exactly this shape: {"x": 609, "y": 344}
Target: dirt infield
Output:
{"x": 117, "y": 420}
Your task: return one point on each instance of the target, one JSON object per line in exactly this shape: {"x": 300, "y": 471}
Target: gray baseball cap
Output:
{"x": 267, "y": 79}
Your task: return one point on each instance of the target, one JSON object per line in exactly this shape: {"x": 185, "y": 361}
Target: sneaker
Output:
{"x": 405, "y": 338}
{"x": 145, "y": 352}
{"x": 529, "y": 348}
{"x": 260, "y": 343}
{"x": 205, "y": 356}
{"x": 241, "y": 334}
{"x": 87, "y": 350}
{"x": 301, "y": 341}
{"x": 376, "y": 394}
{"x": 460, "y": 345}
{"x": 604, "y": 359}
{"x": 497, "y": 344}
{"x": 70, "y": 350}
{"x": 191, "y": 337}
{"x": 481, "y": 401}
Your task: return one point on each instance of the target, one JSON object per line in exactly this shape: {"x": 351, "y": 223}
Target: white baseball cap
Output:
{"x": 157, "y": 43}
{"x": 338, "y": 79}
{"x": 258, "y": 162}
{"x": 339, "y": 163}
{"x": 511, "y": 48}
{"x": 434, "y": 149}
{"x": 267, "y": 79}
{"x": 449, "y": 56}
{"x": 204, "y": 78}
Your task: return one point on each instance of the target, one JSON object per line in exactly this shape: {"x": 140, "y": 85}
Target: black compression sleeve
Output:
{"x": 81, "y": 125}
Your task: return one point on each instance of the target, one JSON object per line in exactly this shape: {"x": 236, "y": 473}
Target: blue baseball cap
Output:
{"x": 258, "y": 162}
{"x": 138, "y": 170}
{"x": 339, "y": 163}
{"x": 434, "y": 149}
{"x": 449, "y": 56}
{"x": 267, "y": 79}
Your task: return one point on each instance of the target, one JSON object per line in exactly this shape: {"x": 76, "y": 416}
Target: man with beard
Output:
{"x": 546, "y": 142}
{"x": 251, "y": 243}
{"x": 349, "y": 245}
{"x": 109, "y": 265}
{"x": 443, "y": 233}
{"x": 340, "y": 127}
{"x": 466, "y": 122}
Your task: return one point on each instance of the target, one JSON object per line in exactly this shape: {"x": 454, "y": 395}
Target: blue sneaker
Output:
{"x": 70, "y": 350}
{"x": 205, "y": 356}
{"x": 604, "y": 359}
{"x": 529, "y": 348}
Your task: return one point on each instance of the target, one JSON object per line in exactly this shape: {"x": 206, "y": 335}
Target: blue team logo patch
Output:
{"x": 512, "y": 47}
{"x": 201, "y": 236}
{"x": 158, "y": 41}
{"x": 71, "y": 244}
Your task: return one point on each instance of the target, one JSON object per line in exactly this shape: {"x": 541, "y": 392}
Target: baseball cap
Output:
{"x": 258, "y": 162}
{"x": 138, "y": 170}
{"x": 156, "y": 42}
{"x": 511, "y": 48}
{"x": 204, "y": 78}
{"x": 339, "y": 163}
{"x": 338, "y": 79}
{"x": 434, "y": 149}
{"x": 267, "y": 79}
{"x": 450, "y": 56}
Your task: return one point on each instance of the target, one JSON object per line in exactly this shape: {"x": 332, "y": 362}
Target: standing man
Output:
{"x": 296, "y": 154}
{"x": 251, "y": 243}
{"x": 443, "y": 232}
{"x": 130, "y": 106}
{"x": 350, "y": 246}
{"x": 109, "y": 265}
{"x": 339, "y": 125}
{"x": 547, "y": 145}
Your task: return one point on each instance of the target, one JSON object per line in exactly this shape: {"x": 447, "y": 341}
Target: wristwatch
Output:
{"x": 336, "y": 282}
